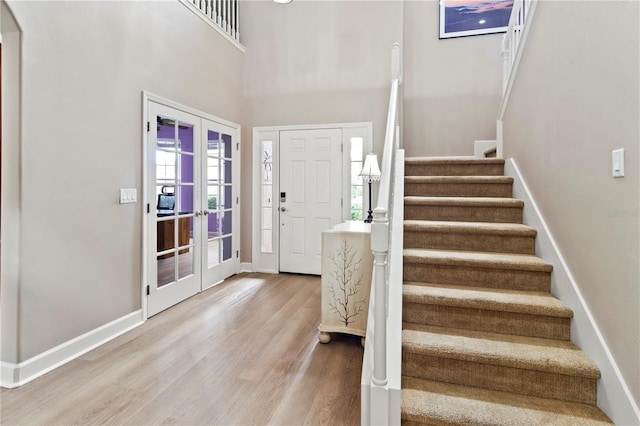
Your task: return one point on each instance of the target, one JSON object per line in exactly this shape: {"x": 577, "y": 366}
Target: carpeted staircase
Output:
{"x": 484, "y": 341}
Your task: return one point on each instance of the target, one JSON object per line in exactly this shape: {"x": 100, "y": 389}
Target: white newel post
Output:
{"x": 395, "y": 62}
{"x": 380, "y": 248}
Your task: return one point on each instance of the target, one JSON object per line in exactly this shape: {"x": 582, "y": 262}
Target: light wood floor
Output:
{"x": 244, "y": 352}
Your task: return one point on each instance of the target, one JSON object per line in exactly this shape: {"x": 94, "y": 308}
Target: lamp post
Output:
{"x": 370, "y": 173}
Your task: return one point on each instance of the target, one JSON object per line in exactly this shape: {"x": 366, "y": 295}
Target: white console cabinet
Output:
{"x": 347, "y": 264}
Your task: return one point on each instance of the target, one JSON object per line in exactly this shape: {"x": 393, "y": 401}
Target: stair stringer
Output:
{"x": 614, "y": 396}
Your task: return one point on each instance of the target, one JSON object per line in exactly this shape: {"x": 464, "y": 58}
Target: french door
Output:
{"x": 192, "y": 234}
{"x": 219, "y": 204}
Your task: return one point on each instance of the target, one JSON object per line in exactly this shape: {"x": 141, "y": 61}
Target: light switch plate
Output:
{"x": 617, "y": 163}
{"x": 128, "y": 195}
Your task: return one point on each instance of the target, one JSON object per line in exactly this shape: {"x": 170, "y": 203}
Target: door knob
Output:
{"x": 198, "y": 214}
{"x": 206, "y": 212}
{"x": 283, "y": 209}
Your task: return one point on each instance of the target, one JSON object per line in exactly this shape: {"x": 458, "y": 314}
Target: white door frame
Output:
{"x": 269, "y": 262}
{"x": 150, "y": 198}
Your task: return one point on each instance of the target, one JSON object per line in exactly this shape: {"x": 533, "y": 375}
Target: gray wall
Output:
{"x": 314, "y": 62}
{"x": 84, "y": 67}
{"x": 576, "y": 98}
{"x": 452, "y": 87}
{"x": 86, "y": 63}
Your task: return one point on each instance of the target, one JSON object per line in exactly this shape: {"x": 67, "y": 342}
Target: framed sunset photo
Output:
{"x": 459, "y": 18}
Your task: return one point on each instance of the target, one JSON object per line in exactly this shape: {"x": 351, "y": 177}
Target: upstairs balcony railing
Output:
{"x": 520, "y": 16}
{"x": 222, "y": 13}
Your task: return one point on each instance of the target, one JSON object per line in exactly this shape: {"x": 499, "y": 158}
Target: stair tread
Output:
{"x": 463, "y": 201}
{"x": 514, "y": 301}
{"x": 529, "y": 353}
{"x": 444, "y": 403}
{"x": 521, "y": 262}
{"x": 459, "y": 179}
{"x": 452, "y": 160}
{"x": 469, "y": 227}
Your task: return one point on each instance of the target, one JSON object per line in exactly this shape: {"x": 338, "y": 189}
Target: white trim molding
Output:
{"x": 614, "y": 396}
{"x": 14, "y": 375}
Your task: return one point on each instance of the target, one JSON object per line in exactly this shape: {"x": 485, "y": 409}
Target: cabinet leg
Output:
{"x": 324, "y": 337}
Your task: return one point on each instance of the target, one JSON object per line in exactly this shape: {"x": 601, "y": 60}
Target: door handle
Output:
{"x": 198, "y": 214}
{"x": 206, "y": 212}
{"x": 283, "y": 209}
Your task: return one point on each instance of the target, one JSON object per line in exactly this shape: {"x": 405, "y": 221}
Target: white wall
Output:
{"x": 315, "y": 62}
{"x": 452, "y": 87}
{"x": 577, "y": 97}
{"x": 84, "y": 67}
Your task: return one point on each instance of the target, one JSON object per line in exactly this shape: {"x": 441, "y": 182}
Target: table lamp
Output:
{"x": 370, "y": 173}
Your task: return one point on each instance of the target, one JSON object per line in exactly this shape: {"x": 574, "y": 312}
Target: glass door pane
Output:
{"x": 213, "y": 198}
{"x": 175, "y": 200}
{"x": 226, "y": 188}
{"x": 173, "y": 228}
{"x": 221, "y": 257}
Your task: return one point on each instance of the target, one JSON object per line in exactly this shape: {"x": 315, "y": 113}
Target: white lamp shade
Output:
{"x": 370, "y": 171}
{"x": 282, "y": 1}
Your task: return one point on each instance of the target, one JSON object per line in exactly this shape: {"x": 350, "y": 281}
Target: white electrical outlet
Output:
{"x": 617, "y": 163}
{"x": 128, "y": 195}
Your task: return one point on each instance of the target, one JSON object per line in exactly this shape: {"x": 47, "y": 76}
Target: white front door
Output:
{"x": 310, "y": 195}
{"x": 192, "y": 212}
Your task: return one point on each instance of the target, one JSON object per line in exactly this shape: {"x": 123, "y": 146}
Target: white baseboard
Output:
{"x": 8, "y": 373}
{"x": 614, "y": 396}
{"x": 14, "y": 375}
{"x": 267, "y": 271}
{"x": 246, "y": 267}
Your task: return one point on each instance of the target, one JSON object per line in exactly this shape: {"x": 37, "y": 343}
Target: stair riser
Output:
{"x": 500, "y": 378}
{"x": 480, "y": 277}
{"x": 486, "y": 320}
{"x": 452, "y": 240}
{"x": 453, "y": 170}
{"x": 498, "y": 190}
{"x": 463, "y": 213}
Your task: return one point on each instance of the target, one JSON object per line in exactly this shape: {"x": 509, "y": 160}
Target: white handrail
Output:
{"x": 512, "y": 47}
{"x": 380, "y": 396}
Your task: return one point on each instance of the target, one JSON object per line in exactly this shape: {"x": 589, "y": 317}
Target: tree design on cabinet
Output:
{"x": 347, "y": 265}
{"x": 345, "y": 282}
